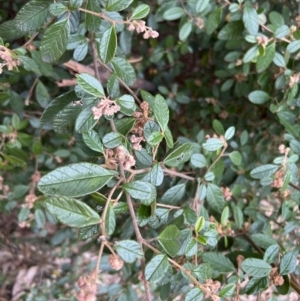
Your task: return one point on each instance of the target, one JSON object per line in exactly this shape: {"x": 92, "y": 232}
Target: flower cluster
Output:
{"x": 293, "y": 79}
{"x": 105, "y": 107}
{"x": 115, "y": 262}
{"x": 212, "y": 288}
{"x": 140, "y": 26}
{"x": 276, "y": 279}
{"x": 227, "y": 193}
{"x": 262, "y": 40}
{"x": 136, "y": 142}
{"x": 279, "y": 179}
{"x": 88, "y": 288}
{"x": 119, "y": 154}
{"x": 8, "y": 60}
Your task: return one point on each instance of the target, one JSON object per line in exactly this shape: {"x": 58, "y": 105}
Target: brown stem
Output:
{"x": 219, "y": 157}
{"x": 294, "y": 186}
{"x": 31, "y": 91}
{"x": 177, "y": 174}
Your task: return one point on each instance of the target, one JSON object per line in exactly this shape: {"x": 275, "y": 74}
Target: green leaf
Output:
{"x": 110, "y": 220}
{"x": 129, "y": 250}
{"x": 264, "y": 61}
{"x": 169, "y": 138}
{"x": 117, "y": 5}
{"x": 235, "y": 157}
{"x": 288, "y": 262}
{"x": 256, "y": 285}
{"x": 271, "y": 254}
{"x": 92, "y": 140}
{"x": 276, "y": 18}
{"x": 218, "y": 127}
{"x": 195, "y": 294}
{"x": 124, "y": 125}
{"x": 29, "y": 64}
{"x": 56, "y": 9}
{"x": 191, "y": 248}
{"x": 256, "y": 267}
{"x": 92, "y": 23}
{"x": 203, "y": 271}
{"x": 227, "y": 291}
{"x": 124, "y": 70}
{"x": 263, "y": 171}
{"x": 213, "y": 20}
{"x": 251, "y": 54}
{"x": 214, "y": 197}
{"x": 161, "y": 112}
{"x": 149, "y": 128}
{"x": 143, "y": 191}
{"x": 85, "y": 120}
{"x": 140, "y": 12}
{"x": 201, "y": 6}
{"x": 178, "y": 155}
{"x": 238, "y": 216}
{"x": 229, "y": 133}
{"x": 294, "y": 46}
{"x": 55, "y": 107}
{"x": 250, "y": 19}
{"x": 279, "y": 60}
{"x": 42, "y": 95}
{"x": 88, "y": 232}
{"x": 169, "y": 239}
{"x": 282, "y": 32}
{"x": 155, "y": 138}
{"x": 72, "y": 212}
{"x": 9, "y": 31}
{"x": 218, "y": 262}
{"x": 127, "y": 104}
{"x": 113, "y": 87}
{"x": 173, "y": 13}
{"x": 75, "y": 180}
{"x": 174, "y": 194}
{"x": 258, "y": 97}
{"x": 198, "y": 161}
{"x": 81, "y": 52}
{"x": 231, "y": 31}
{"x": 32, "y": 15}
{"x": 199, "y": 224}
{"x": 185, "y": 30}
{"x": 213, "y": 144}
{"x": 90, "y": 84}
{"x": 112, "y": 140}
{"x": 263, "y": 240}
{"x": 156, "y": 268}
{"x": 55, "y": 40}
{"x": 108, "y": 45}
{"x": 156, "y": 175}
{"x": 225, "y": 216}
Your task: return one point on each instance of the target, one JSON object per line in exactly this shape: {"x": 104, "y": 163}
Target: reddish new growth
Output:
{"x": 140, "y": 26}
{"x": 115, "y": 262}
{"x": 31, "y": 197}
{"x": 88, "y": 288}
{"x": 8, "y": 60}
{"x": 105, "y": 107}
{"x": 279, "y": 179}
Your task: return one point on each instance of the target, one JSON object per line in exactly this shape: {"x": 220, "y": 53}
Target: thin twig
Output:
{"x": 176, "y": 173}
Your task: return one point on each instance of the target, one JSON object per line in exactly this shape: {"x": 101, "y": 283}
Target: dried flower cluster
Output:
{"x": 276, "y": 279}
{"x": 279, "y": 179}
{"x": 88, "y": 288}
{"x": 8, "y": 60}
{"x": 262, "y": 40}
{"x": 3, "y": 187}
{"x": 140, "y": 26}
{"x": 31, "y": 197}
{"x": 294, "y": 79}
{"x": 119, "y": 154}
{"x": 115, "y": 262}
{"x": 199, "y": 23}
{"x": 212, "y": 288}
{"x": 227, "y": 193}
{"x": 105, "y": 107}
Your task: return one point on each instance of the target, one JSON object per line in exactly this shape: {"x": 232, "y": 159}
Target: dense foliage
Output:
{"x": 161, "y": 135}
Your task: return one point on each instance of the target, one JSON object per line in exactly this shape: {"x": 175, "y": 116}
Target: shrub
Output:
{"x": 166, "y": 132}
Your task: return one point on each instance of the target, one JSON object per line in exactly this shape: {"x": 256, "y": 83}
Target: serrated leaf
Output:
{"x": 124, "y": 125}
{"x": 195, "y": 294}
{"x": 92, "y": 140}
{"x": 72, "y": 212}
{"x": 179, "y": 155}
{"x": 256, "y": 267}
{"x": 213, "y": 144}
{"x": 55, "y": 40}
{"x": 169, "y": 138}
{"x": 56, "y": 9}
{"x": 143, "y": 191}
{"x": 113, "y": 87}
{"x": 32, "y": 15}
{"x": 161, "y": 112}
{"x": 127, "y": 104}
{"x": 250, "y": 19}
{"x": 256, "y": 285}
{"x": 140, "y": 12}
{"x": 288, "y": 262}
{"x": 85, "y": 120}
{"x": 129, "y": 250}
{"x": 156, "y": 268}
{"x": 92, "y": 23}
{"x": 124, "y": 70}
{"x": 29, "y": 64}
{"x": 271, "y": 254}
{"x": 88, "y": 232}
{"x": 74, "y": 180}
{"x": 117, "y": 5}
{"x": 214, "y": 197}
{"x": 174, "y": 194}
{"x": 229, "y": 133}
{"x": 80, "y": 52}
{"x": 112, "y": 140}
{"x": 227, "y": 291}
{"x": 108, "y": 45}
{"x": 213, "y": 20}
{"x": 9, "y": 31}
{"x": 199, "y": 224}
{"x": 90, "y": 84}
{"x": 169, "y": 239}
{"x": 258, "y": 97}
{"x": 156, "y": 175}
{"x": 263, "y": 240}
{"x": 263, "y": 171}
{"x": 110, "y": 220}
{"x": 218, "y": 262}
{"x": 203, "y": 271}
{"x": 238, "y": 216}
{"x": 155, "y": 138}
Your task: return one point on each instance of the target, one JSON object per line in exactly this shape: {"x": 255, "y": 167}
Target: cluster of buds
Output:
{"x": 283, "y": 149}
{"x": 119, "y": 154}
{"x": 141, "y": 119}
{"x": 105, "y": 107}
{"x": 276, "y": 279}
{"x": 199, "y": 22}
{"x": 88, "y": 288}
{"x": 212, "y": 288}
{"x": 3, "y": 187}
{"x": 31, "y": 197}
{"x": 279, "y": 179}
{"x": 115, "y": 262}
{"x": 140, "y": 26}
{"x": 294, "y": 79}
{"x": 262, "y": 40}
{"x": 8, "y": 60}
{"x": 227, "y": 193}
{"x": 136, "y": 142}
